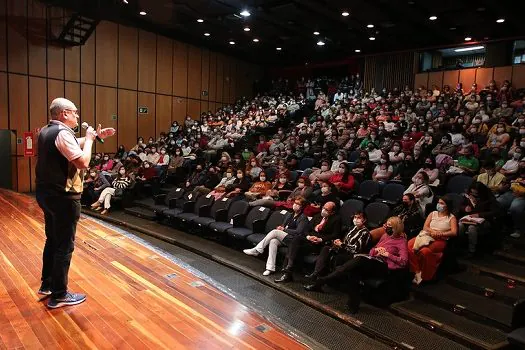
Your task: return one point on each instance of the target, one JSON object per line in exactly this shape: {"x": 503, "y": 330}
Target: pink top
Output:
{"x": 396, "y": 247}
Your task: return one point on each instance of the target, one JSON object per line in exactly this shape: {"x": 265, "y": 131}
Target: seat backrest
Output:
{"x": 459, "y": 184}
{"x": 368, "y": 188}
{"x": 457, "y": 201}
{"x": 306, "y": 163}
{"x": 223, "y": 203}
{"x": 175, "y": 193}
{"x": 393, "y": 192}
{"x": 188, "y": 196}
{"x": 348, "y": 209}
{"x": 238, "y": 207}
{"x": 293, "y": 176}
{"x": 276, "y": 218}
{"x": 202, "y": 201}
{"x": 377, "y": 213}
{"x": 354, "y": 156}
{"x": 257, "y": 213}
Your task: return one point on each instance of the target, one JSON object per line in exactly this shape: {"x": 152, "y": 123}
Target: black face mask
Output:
{"x": 389, "y": 231}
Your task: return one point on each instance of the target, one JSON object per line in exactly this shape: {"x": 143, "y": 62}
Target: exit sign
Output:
{"x": 143, "y": 110}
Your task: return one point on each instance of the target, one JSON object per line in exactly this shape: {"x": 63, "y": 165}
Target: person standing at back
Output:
{"x": 62, "y": 159}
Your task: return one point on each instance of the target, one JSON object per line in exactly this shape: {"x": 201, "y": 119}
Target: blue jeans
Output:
{"x": 516, "y": 209}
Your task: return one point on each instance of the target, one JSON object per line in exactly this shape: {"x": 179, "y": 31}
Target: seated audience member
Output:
{"x": 220, "y": 190}
{"x": 498, "y": 137}
{"x": 253, "y": 169}
{"x": 326, "y": 228}
{"x": 106, "y": 165}
{"x": 445, "y": 147}
{"x": 364, "y": 167}
{"x": 121, "y": 153}
{"x": 326, "y": 195}
{"x": 196, "y": 179}
{"x": 482, "y": 210}
{"x": 410, "y": 214}
{"x": 374, "y": 153}
{"x": 176, "y": 161}
{"x": 440, "y": 225}
{"x": 343, "y": 179}
{"x": 121, "y": 182}
{"x": 341, "y": 158}
{"x": 240, "y": 185}
{"x": 211, "y": 180}
{"x": 323, "y": 174}
{"x": 511, "y": 166}
{"x": 340, "y": 251}
{"x": 296, "y": 225}
{"x": 303, "y": 189}
{"x": 94, "y": 184}
{"x": 466, "y": 164}
{"x": 259, "y": 188}
{"x": 429, "y": 167}
{"x": 153, "y": 156}
{"x": 421, "y": 191}
{"x": 383, "y": 171}
{"x": 389, "y": 254}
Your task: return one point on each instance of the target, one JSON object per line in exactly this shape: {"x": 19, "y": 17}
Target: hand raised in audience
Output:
{"x": 338, "y": 243}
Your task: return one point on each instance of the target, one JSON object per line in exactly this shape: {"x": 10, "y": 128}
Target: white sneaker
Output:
{"x": 515, "y": 235}
{"x": 417, "y": 279}
{"x": 267, "y": 273}
{"x": 252, "y": 251}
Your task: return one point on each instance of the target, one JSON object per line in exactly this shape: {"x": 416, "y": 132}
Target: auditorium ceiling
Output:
{"x": 282, "y": 31}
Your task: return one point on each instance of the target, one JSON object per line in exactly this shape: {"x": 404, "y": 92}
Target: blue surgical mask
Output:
{"x": 440, "y": 207}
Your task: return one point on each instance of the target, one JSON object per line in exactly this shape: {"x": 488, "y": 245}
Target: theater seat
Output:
{"x": 236, "y": 215}
{"x": 276, "y": 218}
{"x": 517, "y": 337}
{"x": 219, "y": 206}
{"x": 384, "y": 291}
{"x": 254, "y": 223}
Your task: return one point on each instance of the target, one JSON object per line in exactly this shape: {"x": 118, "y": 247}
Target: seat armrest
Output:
{"x": 188, "y": 206}
{"x": 205, "y": 210}
{"x": 259, "y": 226}
{"x": 172, "y": 203}
{"x": 238, "y": 220}
{"x": 159, "y": 199}
{"x": 221, "y": 215}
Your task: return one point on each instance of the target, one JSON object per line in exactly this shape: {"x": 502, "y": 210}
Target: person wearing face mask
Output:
{"x": 325, "y": 227}
{"x": 226, "y": 182}
{"x": 94, "y": 184}
{"x": 371, "y": 138}
{"x": 197, "y": 178}
{"x": 322, "y": 174}
{"x": 410, "y": 214}
{"x": 253, "y": 168}
{"x": 445, "y": 147}
{"x": 240, "y": 185}
{"x": 259, "y": 188}
{"x": 340, "y": 158}
{"x": 421, "y": 191}
{"x": 163, "y": 162}
{"x": 343, "y": 180}
{"x": 294, "y": 225}
{"x": 341, "y": 251}
{"x": 440, "y": 225}
{"x": 517, "y": 144}
{"x": 145, "y": 174}
{"x": 383, "y": 171}
{"x": 263, "y": 147}
{"x": 498, "y": 137}
{"x": 389, "y": 254}
{"x": 153, "y": 157}
{"x": 121, "y": 182}
{"x": 511, "y": 166}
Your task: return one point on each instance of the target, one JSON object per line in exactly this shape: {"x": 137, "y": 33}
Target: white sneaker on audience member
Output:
{"x": 267, "y": 272}
{"x": 417, "y": 279}
{"x": 252, "y": 251}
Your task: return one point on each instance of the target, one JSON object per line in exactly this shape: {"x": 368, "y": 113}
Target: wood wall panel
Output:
{"x": 73, "y": 93}
{"x": 38, "y": 103}
{"x": 87, "y": 61}
{"x": 163, "y": 113}
{"x": 146, "y": 122}
{"x": 502, "y": 73}
{"x": 180, "y": 69}
{"x": 484, "y": 76}
{"x": 128, "y": 58}
{"x": 24, "y": 177}
{"x": 127, "y": 118}
{"x": 518, "y": 76}
{"x": 87, "y": 105}
{"x": 55, "y": 88}
{"x": 164, "y": 65}
{"x": 435, "y": 78}
{"x": 37, "y": 38}
{"x": 451, "y": 78}
{"x": 194, "y": 109}
{"x": 233, "y": 80}
{"x": 19, "y": 116}
{"x": 55, "y": 52}
{"x": 106, "y": 107}
{"x": 3, "y": 36}
{"x": 179, "y": 109}
{"x": 106, "y": 54}
{"x": 147, "y": 61}
{"x": 205, "y": 106}
{"x": 212, "y": 84}
{"x": 205, "y": 74}
{"x": 194, "y": 72}
{"x": 220, "y": 78}
{"x": 72, "y": 63}
{"x": 17, "y": 54}
{"x": 4, "y": 102}
{"x": 421, "y": 81}
{"x": 467, "y": 77}
{"x": 226, "y": 80}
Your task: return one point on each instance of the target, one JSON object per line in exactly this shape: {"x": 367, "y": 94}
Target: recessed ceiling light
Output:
{"x": 255, "y": 40}
{"x": 452, "y": 28}
{"x": 245, "y": 13}
{"x": 278, "y": 48}
{"x": 468, "y": 38}
{"x": 125, "y": 1}
{"x": 247, "y": 29}
{"x": 142, "y": 13}
{"x": 357, "y": 51}
{"x": 470, "y": 48}
{"x": 232, "y": 42}
{"x": 207, "y": 34}
{"x": 501, "y": 20}
{"x": 200, "y": 20}
{"x": 320, "y": 43}
{"x": 316, "y": 33}
{"x": 432, "y": 18}
{"x": 372, "y": 38}
{"x": 370, "y": 26}
{"x": 345, "y": 14}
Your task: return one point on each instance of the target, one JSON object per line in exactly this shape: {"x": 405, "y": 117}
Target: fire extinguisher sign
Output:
{"x": 29, "y": 144}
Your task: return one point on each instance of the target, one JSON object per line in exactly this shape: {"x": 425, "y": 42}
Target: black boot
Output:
{"x": 312, "y": 276}
{"x": 314, "y": 287}
{"x": 286, "y": 277}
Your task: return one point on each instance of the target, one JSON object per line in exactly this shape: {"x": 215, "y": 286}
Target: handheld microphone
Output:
{"x": 85, "y": 126}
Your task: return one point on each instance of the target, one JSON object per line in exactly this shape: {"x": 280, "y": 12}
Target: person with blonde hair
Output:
{"x": 390, "y": 253}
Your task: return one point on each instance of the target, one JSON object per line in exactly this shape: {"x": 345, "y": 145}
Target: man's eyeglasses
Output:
{"x": 75, "y": 111}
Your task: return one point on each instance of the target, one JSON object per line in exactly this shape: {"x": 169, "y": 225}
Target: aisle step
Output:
{"x": 512, "y": 255}
{"x": 489, "y": 287}
{"x": 497, "y": 268}
{"x": 475, "y": 307}
{"x": 141, "y": 213}
{"x": 457, "y": 327}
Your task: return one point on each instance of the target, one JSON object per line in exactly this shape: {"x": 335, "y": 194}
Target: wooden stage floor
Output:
{"x": 137, "y": 298}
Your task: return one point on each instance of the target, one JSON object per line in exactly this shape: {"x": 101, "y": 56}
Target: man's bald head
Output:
{"x": 60, "y": 104}
{"x": 329, "y": 206}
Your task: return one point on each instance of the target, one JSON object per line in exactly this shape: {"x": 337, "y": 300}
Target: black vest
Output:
{"x": 55, "y": 175}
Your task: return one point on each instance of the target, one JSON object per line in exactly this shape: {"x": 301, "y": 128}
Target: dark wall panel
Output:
{"x": 147, "y": 61}
{"x": 107, "y": 52}
{"x": 127, "y": 118}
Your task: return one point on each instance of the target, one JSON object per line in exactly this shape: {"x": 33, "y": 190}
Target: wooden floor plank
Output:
{"x": 132, "y": 304}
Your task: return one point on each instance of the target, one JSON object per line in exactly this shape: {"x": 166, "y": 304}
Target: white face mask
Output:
{"x": 325, "y": 190}
{"x": 418, "y": 181}
{"x": 324, "y": 168}
{"x": 296, "y": 207}
{"x": 341, "y": 170}
{"x": 254, "y": 164}
{"x": 122, "y": 172}
{"x": 146, "y": 166}
{"x": 300, "y": 185}
{"x": 162, "y": 152}
{"x": 358, "y": 222}
{"x": 517, "y": 156}
{"x": 228, "y": 175}
{"x": 340, "y": 157}
{"x": 282, "y": 180}
{"x": 239, "y": 176}
{"x": 93, "y": 174}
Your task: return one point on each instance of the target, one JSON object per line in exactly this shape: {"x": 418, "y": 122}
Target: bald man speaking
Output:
{"x": 62, "y": 157}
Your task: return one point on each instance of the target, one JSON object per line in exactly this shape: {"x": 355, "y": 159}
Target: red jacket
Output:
{"x": 345, "y": 186}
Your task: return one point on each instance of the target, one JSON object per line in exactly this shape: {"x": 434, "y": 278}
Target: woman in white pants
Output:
{"x": 296, "y": 225}
{"x": 121, "y": 182}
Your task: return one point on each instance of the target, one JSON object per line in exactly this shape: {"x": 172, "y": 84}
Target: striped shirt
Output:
{"x": 357, "y": 240}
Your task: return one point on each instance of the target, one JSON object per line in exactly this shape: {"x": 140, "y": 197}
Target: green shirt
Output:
{"x": 471, "y": 163}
